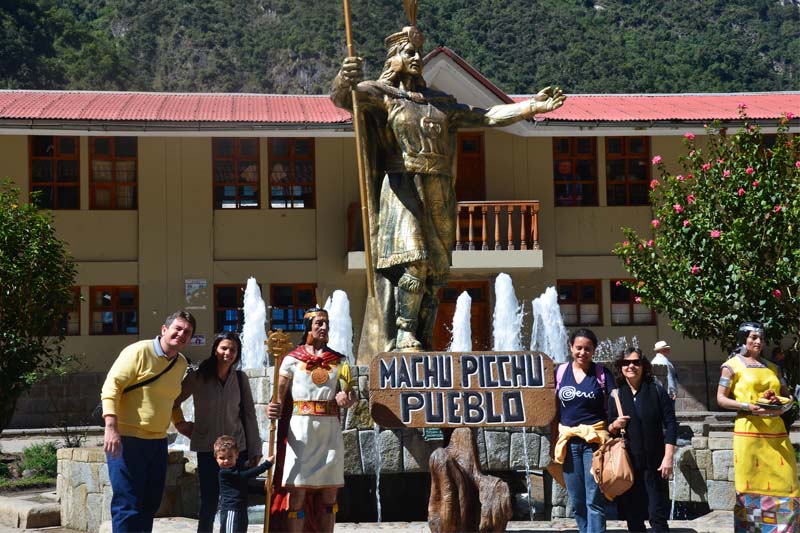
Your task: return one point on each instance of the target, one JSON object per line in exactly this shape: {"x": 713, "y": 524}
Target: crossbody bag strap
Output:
{"x": 615, "y": 394}
{"x": 152, "y": 379}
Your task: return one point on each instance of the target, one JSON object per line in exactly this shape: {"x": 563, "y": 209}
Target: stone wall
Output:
{"x": 85, "y": 491}
{"x": 59, "y": 401}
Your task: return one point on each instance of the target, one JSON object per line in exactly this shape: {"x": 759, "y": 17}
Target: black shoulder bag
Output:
{"x": 97, "y": 412}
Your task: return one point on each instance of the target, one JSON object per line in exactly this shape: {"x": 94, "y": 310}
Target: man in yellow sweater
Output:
{"x": 137, "y": 418}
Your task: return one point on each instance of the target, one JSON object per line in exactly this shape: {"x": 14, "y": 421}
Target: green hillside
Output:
{"x": 295, "y": 46}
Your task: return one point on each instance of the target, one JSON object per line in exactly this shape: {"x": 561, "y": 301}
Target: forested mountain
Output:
{"x": 295, "y": 46}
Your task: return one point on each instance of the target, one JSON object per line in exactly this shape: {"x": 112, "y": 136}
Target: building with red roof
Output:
{"x": 172, "y": 200}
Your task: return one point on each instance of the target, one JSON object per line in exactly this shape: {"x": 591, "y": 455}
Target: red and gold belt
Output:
{"x": 315, "y": 408}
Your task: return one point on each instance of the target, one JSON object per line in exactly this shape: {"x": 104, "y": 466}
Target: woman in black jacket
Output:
{"x": 650, "y": 433}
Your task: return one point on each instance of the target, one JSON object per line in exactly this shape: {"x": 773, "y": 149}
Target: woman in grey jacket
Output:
{"x": 223, "y": 405}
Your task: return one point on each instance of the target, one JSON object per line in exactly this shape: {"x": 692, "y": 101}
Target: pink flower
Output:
{"x": 640, "y": 284}
{"x": 797, "y": 164}
{"x": 655, "y": 222}
{"x": 690, "y": 198}
{"x": 695, "y": 269}
{"x": 689, "y": 136}
{"x": 726, "y": 173}
{"x": 790, "y": 115}
{"x": 637, "y": 300}
{"x": 689, "y": 176}
{"x": 679, "y": 177}
{"x": 678, "y": 208}
{"x": 650, "y": 243}
{"x": 618, "y": 283}
{"x": 742, "y": 106}
{"x": 720, "y": 161}
{"x": 749, "y": 170}
{"x": 778, "y": 208}
{"x": 715, "y": 233}
{"x": 657, "y": 160}
{"x": 706, "y": 166}
{"x": 685, "y": 222}
{"x": 641, "y": 246}
{"x": 654, "y": 184}
{"x": 625, "y": 243}
{"x": 777, "y": 293}
{"x": 628, "y": 261}
{"x": 691, "y": 154}
{"x": 741, "y": 191}
{"x": 755, "y": 184}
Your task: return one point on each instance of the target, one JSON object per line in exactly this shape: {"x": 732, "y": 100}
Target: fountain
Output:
{"x": 462, "y": 329}
{"x": 548, "y": 333}
{"x": 340, "y": 334}
{"x": 608, "y": 349}
{"x": 507, "y": 317}
{"x": 254, "y": 334}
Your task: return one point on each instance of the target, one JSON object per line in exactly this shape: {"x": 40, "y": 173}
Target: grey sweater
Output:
{"x": 216, "y": 412}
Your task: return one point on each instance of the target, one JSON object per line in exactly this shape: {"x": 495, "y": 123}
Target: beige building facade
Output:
{"x": 181, "y": 215}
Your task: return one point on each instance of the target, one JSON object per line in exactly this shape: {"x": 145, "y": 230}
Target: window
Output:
{"x": 627, "y": 170}
{"x": 236, "y": 173}
{"x": 291, "y": 173}
{"x": 70, "y": 323}
{"x": 288, "y": 303}
{"x": 580, "y": 302}
{"x": 112, "y": 172}
{"x": 55, "y": 171}
{"x": 575, "y": 171}
{"x": 624, "y": 307}
{"x": 114, "y": 310}
{"x": 228, "y": 308}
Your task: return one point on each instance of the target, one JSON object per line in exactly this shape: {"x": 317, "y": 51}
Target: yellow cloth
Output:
{"x": 143, "y": 412}
{"x": 763, "y": 458}
{"x": 595, "y": 433}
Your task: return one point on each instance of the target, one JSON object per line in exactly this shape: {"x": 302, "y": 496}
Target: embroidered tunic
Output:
{"x": 314, "y": 449}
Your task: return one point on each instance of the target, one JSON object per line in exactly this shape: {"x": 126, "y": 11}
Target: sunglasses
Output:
{"x": 634, "y": 362}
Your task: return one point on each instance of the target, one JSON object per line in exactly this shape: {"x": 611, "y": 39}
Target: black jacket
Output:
{"x": 233, "y": 485}
{"x": 648, "y": 431}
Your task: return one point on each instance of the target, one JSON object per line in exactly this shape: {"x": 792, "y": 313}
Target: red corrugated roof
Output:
{"x": 168, "y": 107}
{"x": 673, "y": 107}
{"x": 299, "y": 109}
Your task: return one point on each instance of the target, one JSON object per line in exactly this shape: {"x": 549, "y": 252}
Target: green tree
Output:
{"x": 725, "y": 246}
{"x": 36, "y": 276}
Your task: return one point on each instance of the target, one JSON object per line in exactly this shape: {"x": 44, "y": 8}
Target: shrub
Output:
{"x": 41, "y": 459}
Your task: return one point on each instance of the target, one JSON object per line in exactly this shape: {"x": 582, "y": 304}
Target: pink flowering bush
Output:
{"x": 732, "y": 223}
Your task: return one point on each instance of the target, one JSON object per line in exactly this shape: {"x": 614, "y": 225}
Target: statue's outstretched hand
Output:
{"x": 352, "y": 70}
{"x": 548, "y": 99}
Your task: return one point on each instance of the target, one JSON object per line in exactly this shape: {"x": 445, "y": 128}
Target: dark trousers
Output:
{"x": 208, "y": 476}
{"x": 137, "y": 480}
{"x": 647, "y": 499}
{"x": 233, "y": 521}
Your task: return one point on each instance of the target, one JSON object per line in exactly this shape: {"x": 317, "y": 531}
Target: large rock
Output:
{"x": 416, "y": 450}
{"x": 352, "y": 453}
{"x": 722, "y": 461}
{"x": 523, "y": 444}
{"x": 497, "y": 446}
{"x": 721, "y": 495}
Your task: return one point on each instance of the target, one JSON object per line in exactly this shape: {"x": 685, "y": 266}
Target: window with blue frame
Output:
{"x": 236, "y": 164}
{"x": 229, "y": 307}
{"x": 291, "y": 173}
{"x": 288, "y": 303}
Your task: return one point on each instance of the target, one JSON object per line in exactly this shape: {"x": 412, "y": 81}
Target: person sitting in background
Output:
{"x": 651, "y": 432}
{"x": 663, "y": 350}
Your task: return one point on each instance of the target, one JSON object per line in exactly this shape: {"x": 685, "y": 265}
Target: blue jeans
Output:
{"x": 588, "y": 503}
{"x": 137, "y": 478}
{"x": 208, "y": 476}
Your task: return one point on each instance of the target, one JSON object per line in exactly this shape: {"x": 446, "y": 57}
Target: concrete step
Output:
{"x": 30, "y": 510}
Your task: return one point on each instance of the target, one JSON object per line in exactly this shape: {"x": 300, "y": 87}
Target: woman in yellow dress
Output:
{"x": 767, "y": 494}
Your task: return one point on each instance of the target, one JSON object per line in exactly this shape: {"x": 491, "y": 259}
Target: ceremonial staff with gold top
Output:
{"x": 278, "y": 345}
{"x": 364, "y": 186}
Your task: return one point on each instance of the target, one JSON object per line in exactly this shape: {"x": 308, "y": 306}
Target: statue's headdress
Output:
{"x": 409, "y": 34}
{"x": 308, "y": 318}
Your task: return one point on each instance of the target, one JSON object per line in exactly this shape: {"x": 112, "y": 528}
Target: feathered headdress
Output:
{"x": 409, "y": 34}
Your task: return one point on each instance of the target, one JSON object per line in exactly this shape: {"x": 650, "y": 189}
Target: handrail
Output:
{"x": 497, "y": 225}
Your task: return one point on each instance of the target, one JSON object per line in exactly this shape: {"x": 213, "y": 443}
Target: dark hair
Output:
{"x": 745, "y": 328}
{"x": 208, "y": 368}
{"x": 225, "y": 442}
{"x": 616, "y": 367}
{"x": 186, "y": 315}
{"x": 307, "y": 320}
{"x": 583, "y": 332}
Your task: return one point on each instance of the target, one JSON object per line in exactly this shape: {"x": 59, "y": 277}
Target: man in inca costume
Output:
{"x": 411, "y": 139}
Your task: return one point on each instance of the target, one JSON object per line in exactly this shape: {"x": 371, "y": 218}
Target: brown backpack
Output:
{"x": 611, "y": 466}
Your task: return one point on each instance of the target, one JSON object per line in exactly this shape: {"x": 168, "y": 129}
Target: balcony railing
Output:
{"x": 512, "y": 225}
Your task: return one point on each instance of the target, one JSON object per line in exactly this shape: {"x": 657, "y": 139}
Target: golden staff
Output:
{"x": 363, "y": 182}
{"x": 278, "y": 345}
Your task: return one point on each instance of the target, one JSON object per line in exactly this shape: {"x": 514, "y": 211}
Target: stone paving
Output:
{"x": 714, "y": 522}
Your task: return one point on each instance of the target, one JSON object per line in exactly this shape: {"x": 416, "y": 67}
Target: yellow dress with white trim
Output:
{"x": 765, "y": 469}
